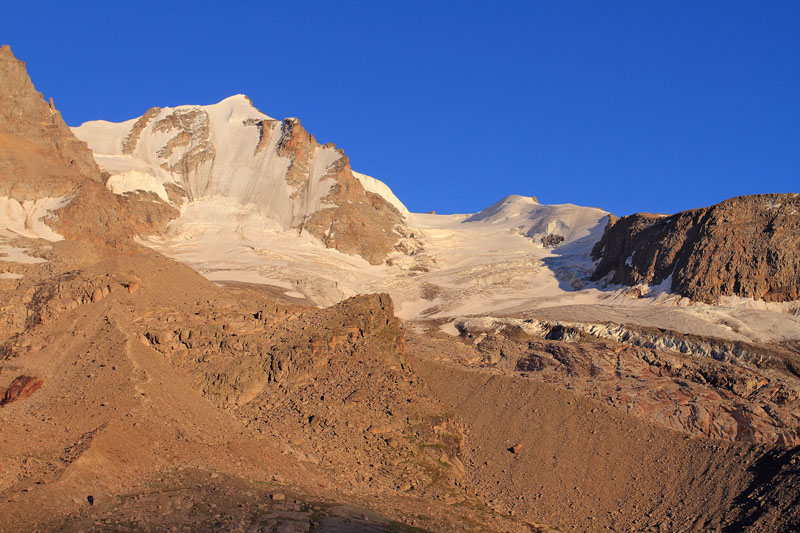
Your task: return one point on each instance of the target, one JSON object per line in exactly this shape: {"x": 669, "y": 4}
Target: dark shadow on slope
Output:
{"x": 572, "y": 262}
{"x": 773, "y": 495}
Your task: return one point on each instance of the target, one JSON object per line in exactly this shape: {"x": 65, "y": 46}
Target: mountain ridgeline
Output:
{"x": 230, "y": 152}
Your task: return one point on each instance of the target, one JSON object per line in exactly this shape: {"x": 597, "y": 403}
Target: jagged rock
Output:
{"x": 359, "y": 222}
{"x": 552, "y": 240}
{"x": 747, "y": 246}
{"x": 703, "y": 387}
{"x": 97, "y": 294}
{"x": 39, "y": 155}
{"x": 242, "y": 359}
{"x": 41, "y": 158}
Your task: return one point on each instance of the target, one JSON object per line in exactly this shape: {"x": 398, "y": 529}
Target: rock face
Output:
{"x": 39, "y": 155}
{"x": 245, "y": 355}
{"x": 738, "y": 392}
{"x": 747, "y": 246}
{"x": 358, "y": 221}
{"x": 97, "y": 215}
{"x": 230, "y": 154}
{"x": 41, "y": 160}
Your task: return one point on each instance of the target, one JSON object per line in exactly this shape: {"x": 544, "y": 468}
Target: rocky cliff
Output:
{"x": 747, "y": 246}
{"x": 43, "y": 163}
{"x": 39, "y": 155}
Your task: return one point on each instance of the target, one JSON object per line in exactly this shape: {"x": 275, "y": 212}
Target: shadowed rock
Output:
{"x": 747, "y": 246}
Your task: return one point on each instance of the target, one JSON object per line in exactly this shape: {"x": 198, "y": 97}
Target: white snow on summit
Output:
{"x": 220, "y": 153}
{"x": 380, "y": 188}
{"x": 535, "y": 221}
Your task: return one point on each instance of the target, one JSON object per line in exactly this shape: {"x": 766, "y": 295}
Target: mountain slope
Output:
{"x": 40, "y": 156}
{"x": 47, "y": 173}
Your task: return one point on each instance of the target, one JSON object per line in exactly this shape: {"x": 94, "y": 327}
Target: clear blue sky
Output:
{"x": 629, "y": 106}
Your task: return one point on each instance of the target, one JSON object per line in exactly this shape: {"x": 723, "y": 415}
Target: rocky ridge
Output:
{"x": 747, "y": 246}
{"x": 704, "y": 387}
{"x": 40, "y": 156}
{"x": 41, "y": 160}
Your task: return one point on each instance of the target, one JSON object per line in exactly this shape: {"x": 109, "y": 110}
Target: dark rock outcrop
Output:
{"x": 747, "y": 246}
{"x": 21, "y": 388}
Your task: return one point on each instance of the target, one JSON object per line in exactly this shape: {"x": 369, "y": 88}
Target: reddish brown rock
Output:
{"x": 359, "y": 222}
{"x": 22, "y": 387}
{"x": 702, "y": 386}
{"x": 99, "y": 216}
{"x": 40, "y": 157}
{"x": 747, "y": 246}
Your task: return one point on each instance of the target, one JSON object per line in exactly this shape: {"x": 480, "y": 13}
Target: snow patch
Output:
{"x": 629, "y": 261}
{"x": 134, "y": 180}
{"x": 381, "y": 189}
{"x": 509, "y": 207}
{"x": 13, "y": 254}
{"x": 450, "y": 328}
{"x": 294, "y": 294}
{"x": 25, "y": 219}
{"x": 104, "y": 137}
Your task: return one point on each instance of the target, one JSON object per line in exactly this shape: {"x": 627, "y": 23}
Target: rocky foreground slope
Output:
{"x": 137, "y": 395}
{"x": 747, "y": 246}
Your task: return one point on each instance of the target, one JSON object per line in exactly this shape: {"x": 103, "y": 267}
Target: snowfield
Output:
{"x": 459, "y": 268}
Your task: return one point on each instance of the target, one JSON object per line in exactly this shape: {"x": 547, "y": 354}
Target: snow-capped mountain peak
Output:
{"x": 232, "y": 153}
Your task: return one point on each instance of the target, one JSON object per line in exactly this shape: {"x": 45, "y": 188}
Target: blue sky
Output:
{"x": 628, "y": 106}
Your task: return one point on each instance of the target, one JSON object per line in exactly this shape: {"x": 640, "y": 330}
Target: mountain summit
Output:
{"x": 231, "y": 154}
